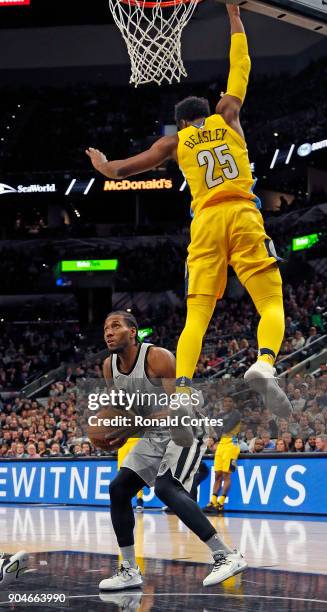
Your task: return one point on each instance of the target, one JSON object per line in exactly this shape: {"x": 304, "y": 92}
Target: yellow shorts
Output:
{"x": 124, "y": 450}
{"x": 227, "y": 233}
{"x": 226, "y": 451}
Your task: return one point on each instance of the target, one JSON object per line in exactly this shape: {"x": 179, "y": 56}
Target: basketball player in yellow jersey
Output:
{"x": 226, "y": 455}
{"x": 227, "y": 227}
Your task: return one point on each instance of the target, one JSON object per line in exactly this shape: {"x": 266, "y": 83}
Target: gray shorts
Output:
{"x": 152, "y": 457}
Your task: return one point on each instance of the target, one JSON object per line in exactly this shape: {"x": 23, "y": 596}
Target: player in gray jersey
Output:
{"x": 156, "y": 460}
{"x": 139, "y": 381}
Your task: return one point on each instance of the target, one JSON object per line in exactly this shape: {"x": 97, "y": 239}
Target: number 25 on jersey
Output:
{"x": 219, "y": 156}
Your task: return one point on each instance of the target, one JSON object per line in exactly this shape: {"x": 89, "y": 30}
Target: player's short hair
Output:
{"x": 191, "y": 108}
{"x": 129, "y": 319}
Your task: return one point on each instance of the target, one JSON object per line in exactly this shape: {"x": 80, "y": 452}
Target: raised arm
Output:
{"x": 240, "y": 64}
{"x": 161, "y": 150}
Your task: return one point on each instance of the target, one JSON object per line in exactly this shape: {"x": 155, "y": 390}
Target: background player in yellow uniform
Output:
{"x": 226, "y": 455}
{"x": 227, "y": 228}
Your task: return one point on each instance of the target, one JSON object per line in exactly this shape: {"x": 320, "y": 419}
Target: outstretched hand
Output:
{"x": 97, "y": 158}
{"x": 233, "y": 10}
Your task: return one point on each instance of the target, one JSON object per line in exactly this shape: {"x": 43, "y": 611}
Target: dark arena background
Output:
{"x": 75, "y": 245}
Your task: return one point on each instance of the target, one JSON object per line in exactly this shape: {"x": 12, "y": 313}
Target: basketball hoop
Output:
{"x": 152, "y": 33}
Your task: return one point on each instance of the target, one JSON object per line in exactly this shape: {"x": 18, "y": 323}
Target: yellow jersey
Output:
{"x": 231, "y": 436}
{"x": 231, "y": 428}
{"x": 215, "y": 163}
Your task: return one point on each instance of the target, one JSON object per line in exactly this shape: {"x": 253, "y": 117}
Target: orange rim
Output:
{"x": 163, "y": 3}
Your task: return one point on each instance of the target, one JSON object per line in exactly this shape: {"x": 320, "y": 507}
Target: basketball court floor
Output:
{"x": 73, "y": 548}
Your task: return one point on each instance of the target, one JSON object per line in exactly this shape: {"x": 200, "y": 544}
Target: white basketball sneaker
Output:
{"x": 261, "y": 378}
{"x": 225, "y": 566}
{"x": 127, "y": 577}
{"x": 12, "y": 567}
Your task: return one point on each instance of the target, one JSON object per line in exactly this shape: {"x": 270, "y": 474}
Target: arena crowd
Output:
{"x": 49, "y": 425}
{"x": 31, "y": 428}
{"x": 30, "y": 350}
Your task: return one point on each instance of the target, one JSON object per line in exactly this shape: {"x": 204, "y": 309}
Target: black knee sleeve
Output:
{"x": 122, "y": 490}
{"x": 173, "y": 494}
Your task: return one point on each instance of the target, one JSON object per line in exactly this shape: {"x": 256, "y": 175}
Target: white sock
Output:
{"x": 128, "y": 554}
{"x": 217, "y": 545}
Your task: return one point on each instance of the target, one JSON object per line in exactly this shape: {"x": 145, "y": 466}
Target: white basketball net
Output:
{"x": 153, "y": 38}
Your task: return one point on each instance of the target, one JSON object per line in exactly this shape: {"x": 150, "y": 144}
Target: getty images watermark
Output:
{"x": 137, "y": 401}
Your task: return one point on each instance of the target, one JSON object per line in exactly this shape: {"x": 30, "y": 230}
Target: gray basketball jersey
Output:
{"x": 137, "y": 378}
{"x": 136, "y": 381}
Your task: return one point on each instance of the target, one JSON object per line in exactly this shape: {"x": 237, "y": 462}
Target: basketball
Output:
{"x": 100, "y": 432}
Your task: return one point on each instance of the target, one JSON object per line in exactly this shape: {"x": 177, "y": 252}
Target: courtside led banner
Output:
{"x": 15, "y": 2}
{"x": 294, "y": 484}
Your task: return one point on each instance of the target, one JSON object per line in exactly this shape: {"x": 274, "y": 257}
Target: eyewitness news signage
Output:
{"x": 57, "y": 481}
{"x": 276, "y": 484}
{"x": 290, "y": 484}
